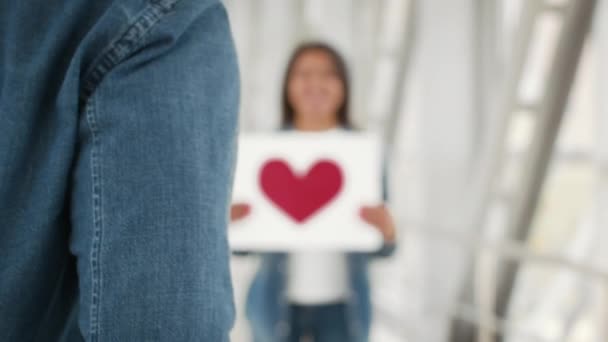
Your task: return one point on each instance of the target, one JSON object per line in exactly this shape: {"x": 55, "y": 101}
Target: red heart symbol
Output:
{"x": 300, "y": 196}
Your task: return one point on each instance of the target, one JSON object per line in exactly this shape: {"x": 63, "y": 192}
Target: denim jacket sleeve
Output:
{"x": 388, "y": 248}
{"x": 242, "y": 253}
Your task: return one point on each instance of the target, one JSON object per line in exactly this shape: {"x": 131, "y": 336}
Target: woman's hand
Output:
{"x": 381, "y": 219}
{"x": 238, "y": 211}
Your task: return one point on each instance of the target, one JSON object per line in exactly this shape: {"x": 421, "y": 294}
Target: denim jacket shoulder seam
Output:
{"x": 124, "y": 44}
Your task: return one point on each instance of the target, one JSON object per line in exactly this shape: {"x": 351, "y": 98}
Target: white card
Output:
{"x": 306, "y": 190}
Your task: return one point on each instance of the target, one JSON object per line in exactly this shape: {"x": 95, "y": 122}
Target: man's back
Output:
{"x": 117, "y": 133}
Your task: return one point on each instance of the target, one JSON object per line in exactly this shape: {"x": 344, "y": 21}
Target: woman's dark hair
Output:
{"x": 341, "y": 69}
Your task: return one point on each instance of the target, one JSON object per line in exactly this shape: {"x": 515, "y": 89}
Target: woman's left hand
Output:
{"x": 380, "y": 217}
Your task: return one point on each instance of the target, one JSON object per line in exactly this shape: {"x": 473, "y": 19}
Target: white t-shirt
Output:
{"x": 317, "y": 277}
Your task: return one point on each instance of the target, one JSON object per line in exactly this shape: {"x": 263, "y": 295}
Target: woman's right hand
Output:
{"x": 238, "y": 211}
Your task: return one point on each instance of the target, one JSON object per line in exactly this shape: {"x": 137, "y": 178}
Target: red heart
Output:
{"x": 300, "y": 196}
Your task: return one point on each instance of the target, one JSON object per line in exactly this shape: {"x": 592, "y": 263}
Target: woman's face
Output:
{"x": 314, "y": 89}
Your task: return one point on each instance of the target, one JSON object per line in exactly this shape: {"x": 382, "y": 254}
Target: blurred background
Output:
{"x": 495, "y": 118}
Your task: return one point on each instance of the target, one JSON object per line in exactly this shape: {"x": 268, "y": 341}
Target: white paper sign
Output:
{"x": 305, "y": 191}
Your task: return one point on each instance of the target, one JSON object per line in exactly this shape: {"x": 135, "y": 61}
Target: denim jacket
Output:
{"x": 118, "y": 126}
{"x": 267, "y": 304}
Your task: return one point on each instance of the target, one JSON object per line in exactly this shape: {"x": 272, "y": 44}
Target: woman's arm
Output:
{"x": 381, "y": 218}
{"x": 239, "y": 211}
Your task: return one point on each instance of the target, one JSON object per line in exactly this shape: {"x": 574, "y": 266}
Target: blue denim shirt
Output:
{"x": 267, "y": 304}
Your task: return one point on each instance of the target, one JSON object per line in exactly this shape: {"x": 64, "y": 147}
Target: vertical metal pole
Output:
{"x": 404, "y": 60}
{"x": 600, "y": 39}
{"x": 563, "y": 70}
{"x": 446, "y": 65}
{"x": 492, "y": 155}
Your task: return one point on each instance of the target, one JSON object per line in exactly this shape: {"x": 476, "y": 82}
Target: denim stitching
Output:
{"x": 124, "y": 44}
{"x": 97, "y": 219}
{"x": 112, "y": 55}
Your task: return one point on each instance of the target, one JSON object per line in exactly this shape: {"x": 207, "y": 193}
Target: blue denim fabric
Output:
{"x": 323, "y": 323}
{"x": 267, "y": 306}
{"x": 118, "y": 128}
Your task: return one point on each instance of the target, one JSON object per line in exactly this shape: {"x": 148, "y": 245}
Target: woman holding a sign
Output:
{"x": 323, "y": 295}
